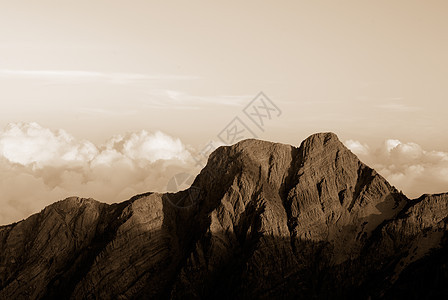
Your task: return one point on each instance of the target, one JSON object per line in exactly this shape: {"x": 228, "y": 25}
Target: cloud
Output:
{"x": 407, "y": 165}
{"x": 357, "y": 148}
{"x": 39, "y": 166}
{"x": 183, "y": 100}
{"x": 398, "y": 107}
{"x": 29, "y": 143}
{"x": 146, "y": 147}
{"x": 79, "y": 75}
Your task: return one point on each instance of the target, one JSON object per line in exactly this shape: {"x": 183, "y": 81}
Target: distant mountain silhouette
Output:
{"x": 261, "y": 220}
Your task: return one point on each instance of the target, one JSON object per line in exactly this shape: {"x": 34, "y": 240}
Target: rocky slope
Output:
{"x": 261, "y": 220}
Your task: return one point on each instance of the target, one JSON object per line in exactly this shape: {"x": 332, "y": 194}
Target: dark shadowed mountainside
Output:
{"x": 262, "y": 220}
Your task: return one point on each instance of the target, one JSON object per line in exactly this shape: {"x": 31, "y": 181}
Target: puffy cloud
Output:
{"x": 149, "y": 147}
{"x": 357, "y": 148}
{"x": 407, "y": 166}
{"x": 39, "y": 166}
{"x": 29, "y": 143}
{"x": 391, "y": 144}
{"x": 407, "y": 153}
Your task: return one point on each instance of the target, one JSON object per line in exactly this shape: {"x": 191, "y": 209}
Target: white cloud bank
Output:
{"x": 407, "y": 166}
{"x": 39, "y": 166}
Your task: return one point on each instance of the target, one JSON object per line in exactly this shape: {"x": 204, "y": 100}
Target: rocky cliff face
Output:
{"x": 262, "y": 220}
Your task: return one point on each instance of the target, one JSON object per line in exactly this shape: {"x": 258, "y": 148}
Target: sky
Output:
{"x": 111, "y": 98}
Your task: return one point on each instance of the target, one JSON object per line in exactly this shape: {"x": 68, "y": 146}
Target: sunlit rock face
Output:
{"x": 261, "y": 220}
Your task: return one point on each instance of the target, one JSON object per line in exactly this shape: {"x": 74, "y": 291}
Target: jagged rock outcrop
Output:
{"x": 261, "y": 220}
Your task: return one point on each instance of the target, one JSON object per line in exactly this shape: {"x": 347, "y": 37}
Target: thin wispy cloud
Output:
{"x": 182, "y": 100}
{"x": 79, "y": 75}
{"x": 106, "y": 112}
{"x": 398, "y": 107}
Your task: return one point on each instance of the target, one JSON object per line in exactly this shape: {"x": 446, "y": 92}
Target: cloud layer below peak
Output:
{"x": 39, "y": 166}
{"x": 406, "y": 165}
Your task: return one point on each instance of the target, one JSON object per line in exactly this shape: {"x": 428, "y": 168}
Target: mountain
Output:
{"x": 261, "y": 220}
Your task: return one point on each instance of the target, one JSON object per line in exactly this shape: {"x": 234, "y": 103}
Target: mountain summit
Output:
{"x": 261, "y": 220}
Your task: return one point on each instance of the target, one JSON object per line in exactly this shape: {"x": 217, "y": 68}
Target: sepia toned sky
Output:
{"x": 80, "y": 79}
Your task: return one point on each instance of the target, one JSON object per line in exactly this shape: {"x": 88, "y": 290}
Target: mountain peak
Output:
{"x": 318, "y": 141}
{"x": 323, "y": 137}
{"x": 264, "y": 152}
{"x": 254, "y": 148}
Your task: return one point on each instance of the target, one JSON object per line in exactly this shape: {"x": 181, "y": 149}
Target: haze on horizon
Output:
{"x": 98, "y": 94}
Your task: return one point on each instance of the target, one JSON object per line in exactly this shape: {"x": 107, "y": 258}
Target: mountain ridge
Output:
{"x": 261, "y": 220}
